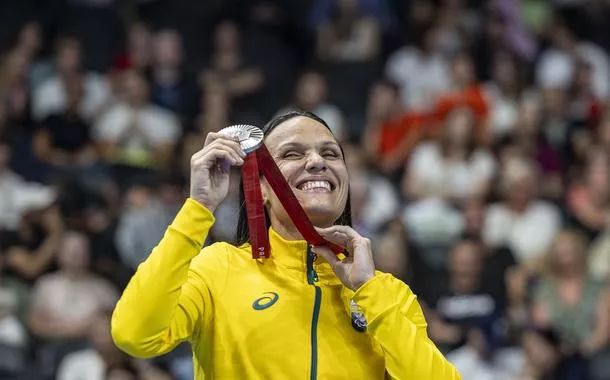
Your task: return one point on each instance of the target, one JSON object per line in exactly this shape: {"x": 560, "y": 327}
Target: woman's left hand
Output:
{"x": 358, "y": 267}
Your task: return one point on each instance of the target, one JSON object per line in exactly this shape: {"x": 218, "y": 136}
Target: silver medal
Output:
{"x": 250, "y": 137}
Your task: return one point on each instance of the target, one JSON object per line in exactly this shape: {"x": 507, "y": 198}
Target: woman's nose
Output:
{"x": 315, "y": 162}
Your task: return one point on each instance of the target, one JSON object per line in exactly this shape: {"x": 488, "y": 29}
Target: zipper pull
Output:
{"x": 312, "y": 276}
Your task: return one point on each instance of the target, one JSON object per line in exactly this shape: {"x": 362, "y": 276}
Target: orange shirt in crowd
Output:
{"x": 401, "y": 133}
{"x": 472, "y": 97}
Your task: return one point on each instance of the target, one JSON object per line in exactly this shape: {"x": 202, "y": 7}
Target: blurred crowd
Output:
{"x": 476, "y": 132}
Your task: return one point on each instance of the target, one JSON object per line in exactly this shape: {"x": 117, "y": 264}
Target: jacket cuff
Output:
{"x": 193, "y": 221}
{"x": 371, "y": 299}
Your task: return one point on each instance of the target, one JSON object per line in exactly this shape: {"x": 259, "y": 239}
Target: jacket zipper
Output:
{"x": 312, "y": 278}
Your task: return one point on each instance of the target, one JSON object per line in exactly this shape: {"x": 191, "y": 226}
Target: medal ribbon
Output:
{"x": 260, "y": 162}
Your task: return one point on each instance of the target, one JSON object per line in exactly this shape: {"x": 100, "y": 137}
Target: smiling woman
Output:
{"x": 240, "y": 315}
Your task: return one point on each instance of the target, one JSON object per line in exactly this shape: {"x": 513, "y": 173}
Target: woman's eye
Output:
{"x": 330, "y": 154}
{"x": 291, "y": 155}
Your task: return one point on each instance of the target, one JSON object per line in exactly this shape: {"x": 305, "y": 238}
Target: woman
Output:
{"x": 288, "y": 316}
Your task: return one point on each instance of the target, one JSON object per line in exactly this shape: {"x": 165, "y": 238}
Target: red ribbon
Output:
{"x": 260, "y": 162}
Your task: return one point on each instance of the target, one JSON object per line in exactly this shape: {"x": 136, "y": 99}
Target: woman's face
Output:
{"x": 310, "y": 159}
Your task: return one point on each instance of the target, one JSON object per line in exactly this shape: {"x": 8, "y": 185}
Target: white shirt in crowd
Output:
{"x": 460, "y": 179}
{"x": 19, "y": 196}
{"x": 50, "y": 97}
{"x": 155, "y": 123}
{"x": 73, "y": 299}
{"x": 504, "y": 110}
{"x": 422, "y": 79}
{"x": 82, "y": 365}
{"x": 529, "y": 234}
{"x": 556, "y": 68}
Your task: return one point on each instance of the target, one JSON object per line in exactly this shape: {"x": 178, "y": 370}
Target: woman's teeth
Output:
{"x": 315, "y": 186}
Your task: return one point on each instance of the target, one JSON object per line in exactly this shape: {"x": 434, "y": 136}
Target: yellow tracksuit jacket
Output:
{"x": 287, "y": 317}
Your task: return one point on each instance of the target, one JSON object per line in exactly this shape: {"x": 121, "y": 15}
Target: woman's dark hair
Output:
{"x": 243, "y": 232}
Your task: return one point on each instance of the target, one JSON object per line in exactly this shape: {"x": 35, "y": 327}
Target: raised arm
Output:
{"x": 165, "y": 303}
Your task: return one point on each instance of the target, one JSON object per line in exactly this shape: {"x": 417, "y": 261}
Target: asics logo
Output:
{"x": 266, "y": 301}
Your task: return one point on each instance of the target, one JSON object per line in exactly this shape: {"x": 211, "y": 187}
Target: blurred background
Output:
{"x": 477, "y": 134}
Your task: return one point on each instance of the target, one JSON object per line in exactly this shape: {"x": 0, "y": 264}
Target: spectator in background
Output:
{"x": 393, "y": 252}
{"x": 95, "y": 362}
{"x": 520, "y": 221}
{"x": 465, "y": 92}
{"x": 375, "y": 200}
{"x": 143, "y": 222}
{"x": 213, "y": 116}
{"x": 51, "y": 97}
{"x": 139, "y": 41}
{"x": 452, "y": 168}
{"x": 466, "y": 320}
{"x": 542, "y": 355}
{"x": 135, "y": 135}
{"x": 503, "y": 93}
{"x": 349, "y": 35}
{"x": 589, "y": 200}
{"x": 585, "y": 107}
{"x": 420, "y": 71}
{"x": 311, "y": 95}
{"x": 568, "y": 300}
{"x": 172, "y": 85}
{"x": 557, "y": 64}
{"x": 14, "y": 300}
{"x": 30, "y": 42}
{"x": 65, "y": 302}
{"x": 228, "y": 67}
{"x": 14, "y": 91}
{"x": 391, "y": 132}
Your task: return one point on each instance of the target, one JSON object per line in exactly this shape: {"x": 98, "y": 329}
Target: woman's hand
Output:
{"x": 358, "y": 267}
{"x": 210, "y": 169}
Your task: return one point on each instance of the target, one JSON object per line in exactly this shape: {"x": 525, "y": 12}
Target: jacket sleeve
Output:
{"x": 396, "y": 321}
{"x": 165, "y": 302}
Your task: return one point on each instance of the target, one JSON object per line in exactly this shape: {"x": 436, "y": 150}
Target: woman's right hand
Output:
{"x": 210, "y": 169}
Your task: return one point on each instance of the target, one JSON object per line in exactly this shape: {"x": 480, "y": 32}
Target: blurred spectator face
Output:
{"x": 504, "y": 71}
{"x": 139, "y": 42}
{"x": 74, "y": 90}
{"x": 5, "y": 155}
{"x": 459, "y": 127}
{"x": 431, "y": 40}
{"x": 167, "y": 48}
{"x": 68, "y": 55}
{"x": 598, "y": 176}
{"x": 17, "y": 65}
{"x": 463, "y": 70}
{"x": 30, "y": 37}
{"x": 474, "y": 215}
{"x": 383, "y": 100}
{"x": 568, "y": 251}
{"x": 562, "y": 37}
{"x": 392, "y": 254}
{"x": 583, "y": 76}
{"x": 495, "y": 28}
{"x": 421, "y": 12}
{"x": 466, "y": 260}
{"x": 311, "y": 91}
{"x": 529, "y": 118}
{"x": 554, "y": 101}
{"x": 135, "y": 88}
{"x": 348, "y": 8}
{"x": 226, "y": 36}
{"x": 540, "y": 353}
{"x": 519, "y": 182}
{"x": 73, "y": 254}
{"x": 603, "y": 132}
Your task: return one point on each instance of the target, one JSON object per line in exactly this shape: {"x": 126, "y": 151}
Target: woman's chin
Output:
{"x": 322, "y": 216}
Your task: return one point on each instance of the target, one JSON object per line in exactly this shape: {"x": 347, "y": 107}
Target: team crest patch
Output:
{"x": 358, "y": 320}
